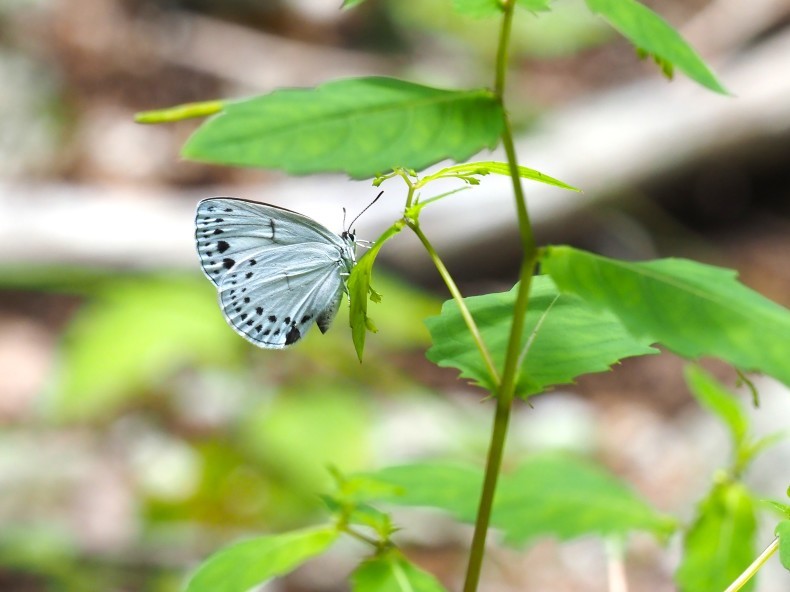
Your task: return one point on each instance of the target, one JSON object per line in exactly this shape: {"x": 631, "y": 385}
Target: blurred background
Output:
{"x": 138, "y": 433}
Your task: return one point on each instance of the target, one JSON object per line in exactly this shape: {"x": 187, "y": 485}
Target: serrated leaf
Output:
{"x": 563, "y": 338}
{"x": 693, "y": 309}
{"x": 566, "y": 497}
{"x": 547, "y": 495}
{"x": 359, "y": 126}
{"x": 720, "y": 543}
{"x": 392, "y": 572}
{"x": 783, "y": 532}
{"x": 241, "y": 566}
{"x": 667, "y": 69}
{"x": 717, "y": 399}
{"x": 652, "y": 34}
{"x": 359, "y": 290}
{"x": 499, "y": 168}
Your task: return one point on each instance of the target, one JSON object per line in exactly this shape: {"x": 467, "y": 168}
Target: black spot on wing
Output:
{"x": 227, "y": 263}
{"x": 292, "y": 336}
{"x": 222, "y": 246}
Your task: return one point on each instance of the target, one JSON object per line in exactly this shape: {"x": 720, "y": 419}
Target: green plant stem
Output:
{"x": 361, "y": 537}
{"x": 504, "y": 43}
{"x": 752, "y": 570}
{"x": 506, "y": 390}
{"x": 459, "y": 300}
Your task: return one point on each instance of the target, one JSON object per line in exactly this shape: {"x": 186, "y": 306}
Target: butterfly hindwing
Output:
{"x": 274, "y": 301}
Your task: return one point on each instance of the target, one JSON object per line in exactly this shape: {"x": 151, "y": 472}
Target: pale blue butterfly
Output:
{"x": 277, "y": 271}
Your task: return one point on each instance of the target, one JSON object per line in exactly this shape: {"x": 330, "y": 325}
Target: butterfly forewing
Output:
{"x": 277, "y": 272}
{"x": 228, "y": 230}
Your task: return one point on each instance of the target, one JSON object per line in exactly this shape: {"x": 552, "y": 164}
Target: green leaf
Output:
{"x": 360, "y": 126}
{"x": 547, "y": 495}
{"x": 478, "y": 8}
{"x": 351, "y": 3}
{"x": 392, "y": 572}
{"x": 652, "y": 34}
{"x": 535, "y": 5}
{"x": 563, "y": 338}
{"x": 499, "y": 168}
{"x": 566, "y": 497}
{"x": 783, "y": 532}
{"x": 132, "y": 335}
{"x": 691, "y": 308}
{"x": 783, "y": 509}
{"x": 666, "y": 67}
{"x": 250, "y": 563}
{"x": 720, "y": 543}
{"x": 359, "y": 289}
{"x": 379, "y": 521}
{"x": 455, "y": 488}
{"x": 717, "y": 399}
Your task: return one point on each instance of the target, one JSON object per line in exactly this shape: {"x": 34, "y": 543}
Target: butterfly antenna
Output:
{"x": 362, "y": 212}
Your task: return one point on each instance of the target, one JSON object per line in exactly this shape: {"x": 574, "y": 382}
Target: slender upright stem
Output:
{"x": 506, "y": 390}
{"x": 456, "y": 294}
{"x": 496, "y": 449}
{"x": 750, "y": 571}
{"x": 504, "y": 43}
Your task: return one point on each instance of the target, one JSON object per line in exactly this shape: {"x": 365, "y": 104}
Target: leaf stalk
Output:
{"x": 755, "y": 566}
{"x": 459, "y": 299}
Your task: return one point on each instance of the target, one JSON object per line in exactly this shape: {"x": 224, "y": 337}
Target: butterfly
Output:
{"x": 277, "y": 272}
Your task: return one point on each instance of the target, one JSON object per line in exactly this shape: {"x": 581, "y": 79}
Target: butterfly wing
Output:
{"x": 228, "y": 230}
{"x": 273, "y": 297}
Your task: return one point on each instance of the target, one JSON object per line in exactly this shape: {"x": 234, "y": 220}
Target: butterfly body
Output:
{"x": 277, "y": 272}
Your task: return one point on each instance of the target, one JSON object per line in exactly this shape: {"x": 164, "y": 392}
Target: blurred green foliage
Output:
{"x": 216, "y": 438}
